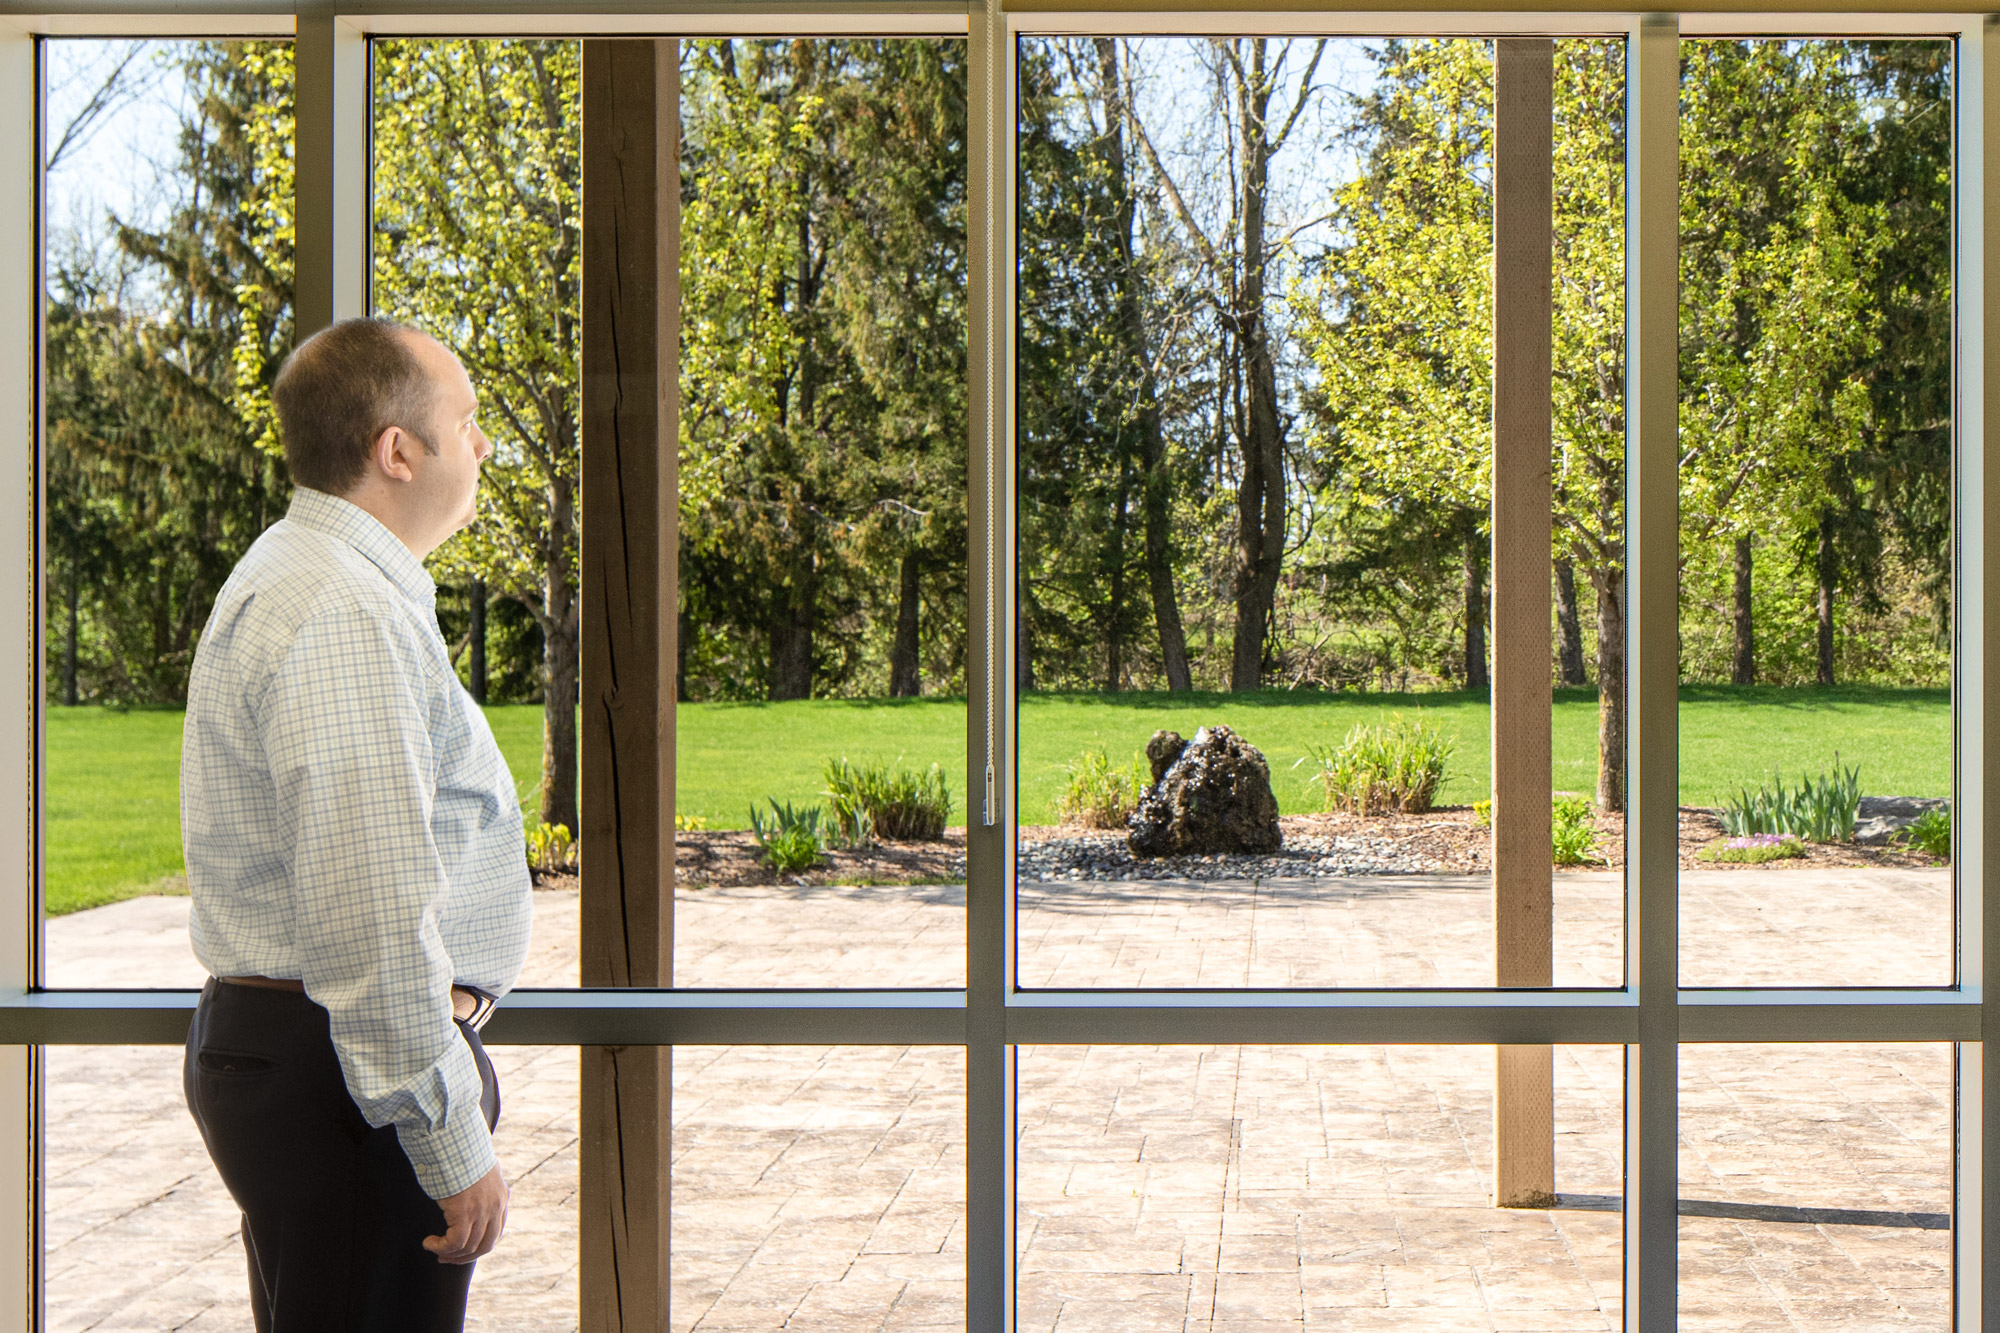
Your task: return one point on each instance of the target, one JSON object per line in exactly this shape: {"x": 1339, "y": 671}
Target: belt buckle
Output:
{"x": 483, "y": 1006}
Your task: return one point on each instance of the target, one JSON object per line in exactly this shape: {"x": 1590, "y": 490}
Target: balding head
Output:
{"x": 341, "y": 388}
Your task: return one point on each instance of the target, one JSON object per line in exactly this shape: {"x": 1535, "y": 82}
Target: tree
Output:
{"x": 1398, "y": 318}
{"x": 161, "y": 470}
{"x": 823, "y": 365}
{"x": 1109, "y": 305}
{"x": 1249, "y": 73}
{"x": 1776, "y": 315}
{"x": 478, "y": 179}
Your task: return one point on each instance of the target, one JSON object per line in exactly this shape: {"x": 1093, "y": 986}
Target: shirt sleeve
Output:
{"x": 343, "y": 722}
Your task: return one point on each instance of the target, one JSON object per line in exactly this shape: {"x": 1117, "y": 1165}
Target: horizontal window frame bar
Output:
{"x": 224, "y": 19}
{"x": 489, "y": 18}
{"x": 1051, "y": 18}
{"x": 940, "y": 1017}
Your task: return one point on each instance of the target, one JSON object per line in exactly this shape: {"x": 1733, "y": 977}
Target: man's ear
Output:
{"x": 390, "y": 455}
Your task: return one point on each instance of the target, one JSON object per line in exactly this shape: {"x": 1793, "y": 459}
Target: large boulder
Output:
{"x": 1209, "y": 794}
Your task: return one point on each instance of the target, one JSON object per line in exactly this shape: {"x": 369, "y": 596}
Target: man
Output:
{"x": 355, "y": 857}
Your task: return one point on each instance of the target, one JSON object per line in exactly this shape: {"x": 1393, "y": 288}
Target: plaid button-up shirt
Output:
{"x": 349, "y": 821}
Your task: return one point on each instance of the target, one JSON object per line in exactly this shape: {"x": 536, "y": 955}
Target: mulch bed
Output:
{"x": 1448, "y": 840}
{"x": 728, "y": 858}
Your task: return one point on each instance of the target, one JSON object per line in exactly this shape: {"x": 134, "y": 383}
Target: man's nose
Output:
{"x": 485, "y": 447}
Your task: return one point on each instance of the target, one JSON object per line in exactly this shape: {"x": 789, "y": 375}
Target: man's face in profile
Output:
{"x": 450, "y": 475}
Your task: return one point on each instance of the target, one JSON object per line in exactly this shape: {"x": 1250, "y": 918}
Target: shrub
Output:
{"x": 1098, "y": 795}
{"x": 1818, "y": 811}
{"x": 886, "y": 801}
{"x": 791, "y": 840}
{"x": 1398, "y": 765}
{"x": 1572, "y": 834}
{"x": 1753, "y": 849}
{"x": 690, "y": 823}
{"x": 1930, "y": 833}
{"x": 551, "y": 848}
{"x": 1483, "y": 812}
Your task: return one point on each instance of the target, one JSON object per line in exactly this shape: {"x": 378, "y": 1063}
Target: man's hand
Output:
{"x": 473, "y": 1219}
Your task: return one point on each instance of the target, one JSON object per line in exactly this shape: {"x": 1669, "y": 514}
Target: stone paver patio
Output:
{"x": 1180, "y": 1188}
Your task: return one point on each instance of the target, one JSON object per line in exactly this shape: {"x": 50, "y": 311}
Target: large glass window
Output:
{"x": 1117, "y": 386}
{"x": 1256, "y": 492}
{"x": 1815, "y": 514}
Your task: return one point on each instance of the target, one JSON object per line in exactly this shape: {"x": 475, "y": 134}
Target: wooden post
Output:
{"x": 1523, "y": 317}
{"x": 631, "y": 353}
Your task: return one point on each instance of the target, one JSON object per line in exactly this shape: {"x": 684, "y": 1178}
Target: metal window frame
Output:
{"x": 1649, "y": 1016}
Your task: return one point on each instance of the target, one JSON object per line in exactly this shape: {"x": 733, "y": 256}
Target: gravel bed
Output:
{"x": 1084, "y": 857}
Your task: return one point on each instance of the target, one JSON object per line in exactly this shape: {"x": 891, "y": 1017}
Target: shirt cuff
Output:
{"x": 455, "y": 1155}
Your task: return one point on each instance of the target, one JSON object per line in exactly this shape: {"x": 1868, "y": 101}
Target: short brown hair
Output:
{"x": 339, "y": 390}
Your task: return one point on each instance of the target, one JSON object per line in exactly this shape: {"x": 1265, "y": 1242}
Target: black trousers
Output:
{"x": 333, "y": 1217}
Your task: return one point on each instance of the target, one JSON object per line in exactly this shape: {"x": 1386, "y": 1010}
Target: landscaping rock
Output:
{"x": 1210, "y": 796}
{"x": 1882, "y": 819}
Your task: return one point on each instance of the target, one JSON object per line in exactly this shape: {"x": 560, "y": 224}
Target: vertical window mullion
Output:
{"x": 989, "y": 974}
{"x": 1975, "y": 689}
{"x": 22, "y": 95}
{"x": 330, "y": 159}
{"x": 1652, "y": 219}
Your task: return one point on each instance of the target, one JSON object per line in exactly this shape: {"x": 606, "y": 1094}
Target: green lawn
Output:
{"x": 113, "y": 818}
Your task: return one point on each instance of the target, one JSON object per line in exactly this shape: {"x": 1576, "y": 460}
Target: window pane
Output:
{"x": 1816, "y": 1187}
{"x": 823, "y": 512}
{"x": 822, "y": 468}
{"x": 819, "y": 1188}
{"x": 168, "y": 282}
{"x": 1255, "y": 491}
{"x": 1345, "y": 1187}
{"x": 1815, "y": 512}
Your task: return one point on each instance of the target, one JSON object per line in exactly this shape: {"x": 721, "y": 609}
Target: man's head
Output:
{"x": 384, "y": 416}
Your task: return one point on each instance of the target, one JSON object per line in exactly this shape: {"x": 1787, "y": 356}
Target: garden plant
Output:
{"x": 1818, "y": 810}
{"x": 1098, "y": 794}
{"x": 1395, "y": 766}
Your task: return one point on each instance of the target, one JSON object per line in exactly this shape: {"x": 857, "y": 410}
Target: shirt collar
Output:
{"x": 360, "y": 529}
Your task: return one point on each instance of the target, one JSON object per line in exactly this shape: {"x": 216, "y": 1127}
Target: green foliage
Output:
{"x": 1930, "y": 833}
{"x": 161, "y": 346}
{"x": 478, "y": 178}
{"x": 1396, "y": 766}
{"x": 823, "y": 430}
{"x": 550, "y": 847}
{"x": 1100, "y": 795}
{"x": 1819, "y": 810}
{"x": 1753, "y": 849}
{"x": 887, "y": 801}
{"x": 1572, "y": 832}
{"x": 791, "y": 840}
{"x": 1482, "y": 810}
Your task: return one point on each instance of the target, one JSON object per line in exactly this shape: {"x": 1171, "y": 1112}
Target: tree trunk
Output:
{"x": 681, "y": 638}
{"x": 1828, "y": 569}
{"x": 69, "y": 638}
{"x": 561, "y": 664}
{"x": 792, "y": 639}
{"x": 1114, "y": 612}
{"x": 1159, "y": 563}
{"x": 1156, "y": 495}
{"x": 1610, "y": 588}
{"x": 476, "y": 668}
{"x": 1024, "y": 646}
{"x": 1743, "y": 666}
{"x": 1569, "y": 625}
{"x": 905, "y": 679}
{"x": 1476, "y": 677}
{"x": 1260, "y": 495}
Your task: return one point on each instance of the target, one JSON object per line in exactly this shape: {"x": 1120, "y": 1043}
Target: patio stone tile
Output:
{"x": 1163, "y": 1188}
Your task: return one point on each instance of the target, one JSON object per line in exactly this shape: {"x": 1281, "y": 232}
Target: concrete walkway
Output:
{"x": 1183, "y": 1188}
